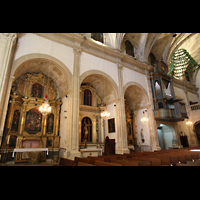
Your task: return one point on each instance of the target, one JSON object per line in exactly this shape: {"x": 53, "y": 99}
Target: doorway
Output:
{"x": 165, "y": 136}
{"x": 197, "y": 130}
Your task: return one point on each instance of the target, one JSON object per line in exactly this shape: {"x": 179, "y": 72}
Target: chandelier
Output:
{"x": 45, "y": 108}
{"x": 105, "y": 114}
{"x": 182, "y": 63}
{"x": 189, "y": 123}
{"x": 144, "y": 119}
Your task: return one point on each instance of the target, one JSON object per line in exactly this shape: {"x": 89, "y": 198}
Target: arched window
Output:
{"x": 86, "y": 129}
{"x": 87, "y": 97}
{"x": 158, "y": 89}
{"x": 129, "y": 48}
{"x": 97, "y": 36}
{"x": 160, "y": 105}
{"x": 152, "y": 59}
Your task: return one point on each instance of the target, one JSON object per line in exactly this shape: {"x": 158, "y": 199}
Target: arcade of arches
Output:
{"x": 81, "y": 77}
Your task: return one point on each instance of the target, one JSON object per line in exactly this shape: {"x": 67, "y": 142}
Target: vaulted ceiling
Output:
{"x": 160, "y": 44}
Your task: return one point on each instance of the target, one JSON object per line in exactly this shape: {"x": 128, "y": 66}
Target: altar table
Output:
{"x": 90, "y": 152}
{"x": 28, "y": 150}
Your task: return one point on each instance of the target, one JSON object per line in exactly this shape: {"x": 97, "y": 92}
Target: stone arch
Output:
{"x": 143, "y": 91}
{"x": 58, "y": 71}
{"x": 101, "y": 76}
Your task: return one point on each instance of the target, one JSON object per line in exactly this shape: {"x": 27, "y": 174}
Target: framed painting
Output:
{"x": 111, "y": 125}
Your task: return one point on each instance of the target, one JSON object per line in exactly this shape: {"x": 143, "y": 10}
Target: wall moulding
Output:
{"x": 101, "y": 51}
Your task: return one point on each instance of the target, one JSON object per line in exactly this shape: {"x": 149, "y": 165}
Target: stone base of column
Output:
{"x": 122, "y": 151}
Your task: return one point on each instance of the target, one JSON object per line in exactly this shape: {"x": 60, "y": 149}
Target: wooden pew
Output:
{"x": 84, "y": 160}
{"x": 154, "y": 161}
{"x": 84, "y": 164}
{"x": 100, "y": 163}
{"x": 141, "y": 162}
{"x": 125, "y": 162}
{"x": 66, "y": 162}
{"x": 92, "y": 159}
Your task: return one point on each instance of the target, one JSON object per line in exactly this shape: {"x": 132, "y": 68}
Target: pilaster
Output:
{"x": 75, "y": 100}
{"x": 122, "y": 132}
{"x": 154, "y": 142}
{"x": 7, "y": 46}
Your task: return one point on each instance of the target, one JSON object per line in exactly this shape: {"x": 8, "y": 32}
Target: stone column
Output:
{"x": 154, "y": 142}
{"x": 7, "y": 49}
{"x": 75, "y": 102}
{"x": 122, "y": 130}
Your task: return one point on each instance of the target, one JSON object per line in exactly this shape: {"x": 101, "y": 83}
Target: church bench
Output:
{"x": 92, "y": 159}
{"x": 141, "y": 162}
{"x": 164, "y": 160}
{"x": 125, "y": 162}
{"x": 66, "y": 162}
{"x": 84, "y": 164}
{"x": 100, "y": 163}
{"x": 79, "y": 159}
{"x": 107, "y": 158}
{"x": 154, "y": 161}
{"x": 193, "y": 163}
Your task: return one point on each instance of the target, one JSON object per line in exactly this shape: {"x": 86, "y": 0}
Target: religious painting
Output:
{"x": 111, "y": 125}
{"x": 87, "y": 98}
{"x": 33, "y": 121}
{"x": 12, "y": 142}
{"x": 15, "y": 121}
{"x": 49, "y": 143}
{"x": 50, "y": 123}
{"x": 37, "y": 90}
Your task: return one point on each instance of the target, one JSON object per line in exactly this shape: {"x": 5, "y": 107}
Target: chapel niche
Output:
{"x": 26, "y": 125}
{"x": 89, "y": 116}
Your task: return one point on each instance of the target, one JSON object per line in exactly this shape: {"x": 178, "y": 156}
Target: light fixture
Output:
{"x": 144, "y": 119}
{"x": 182, "y": 63}
{"x": 45, "y": 108}
{"x": 105, "y": 114}
{"x": 189, "y": 123}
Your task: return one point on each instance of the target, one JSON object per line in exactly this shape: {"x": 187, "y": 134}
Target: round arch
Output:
{"x": 36, "y": 62}
{"x": 103, "y": 76}
{"x": 166, "y": 135}
{"x": 141, "y": 88}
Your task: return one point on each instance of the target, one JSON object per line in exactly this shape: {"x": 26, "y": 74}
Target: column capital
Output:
{"x": 77, "y": 50}
{"x": 120, "y": 66}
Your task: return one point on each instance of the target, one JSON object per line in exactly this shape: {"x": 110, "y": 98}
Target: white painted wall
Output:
{"x": 130, "y": 75}
{"x": 192, "y": 97}
{"x": 112, "y": 109}
{"x": 90, "y": 62}
{"x": 63, "y": 122}
{"x": 30, "y": 43}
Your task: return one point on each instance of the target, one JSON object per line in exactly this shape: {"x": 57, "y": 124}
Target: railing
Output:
{"x": 195, "y": 107}
{"x": 164, "y": 112}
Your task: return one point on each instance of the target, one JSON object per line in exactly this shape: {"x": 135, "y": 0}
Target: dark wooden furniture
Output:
{"x": 109, "y": 146}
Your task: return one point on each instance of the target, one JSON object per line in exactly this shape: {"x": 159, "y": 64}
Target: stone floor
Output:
{"x": 47, "y": 163}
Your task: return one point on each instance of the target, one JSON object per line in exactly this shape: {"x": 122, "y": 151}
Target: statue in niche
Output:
{"x": 15, "y": 121}
{"x": 50, "y": 122}
{"x": 37, "y": 90}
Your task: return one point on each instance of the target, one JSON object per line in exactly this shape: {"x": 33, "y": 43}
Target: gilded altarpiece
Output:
{"x": 28, "y": 128}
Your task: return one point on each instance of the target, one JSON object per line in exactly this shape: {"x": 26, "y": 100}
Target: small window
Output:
{"x": 97, "y": 36}
{"x": 87, "y": 97}
{"x": 129, "y": 48}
